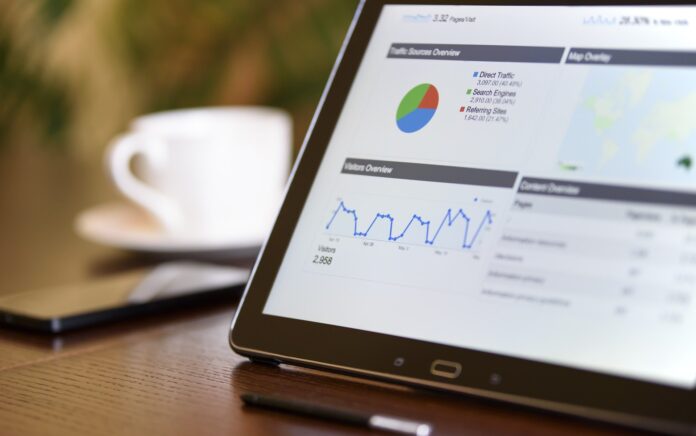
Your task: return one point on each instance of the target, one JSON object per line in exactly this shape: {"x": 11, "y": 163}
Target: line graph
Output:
{"x": 471, "y": 230}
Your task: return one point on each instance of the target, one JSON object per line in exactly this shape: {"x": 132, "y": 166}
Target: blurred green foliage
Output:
{"x": 173, "y": 53}
{"x": 180, "y": 49}
{"x": 24, "y": 90}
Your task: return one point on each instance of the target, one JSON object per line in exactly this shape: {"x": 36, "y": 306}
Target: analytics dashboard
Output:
{"x": 515, "y": 180}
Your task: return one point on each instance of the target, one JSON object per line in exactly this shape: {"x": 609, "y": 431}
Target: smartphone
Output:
{"x": 167, "y": 286}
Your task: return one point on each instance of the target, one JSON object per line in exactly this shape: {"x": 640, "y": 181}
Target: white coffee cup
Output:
{"x": 206, "y": 174}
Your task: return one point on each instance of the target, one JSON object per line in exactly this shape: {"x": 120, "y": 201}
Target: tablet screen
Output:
{"x": 515, "y": 180}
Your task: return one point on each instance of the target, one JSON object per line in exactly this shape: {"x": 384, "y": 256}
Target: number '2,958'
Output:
{"x": 322, "y": 260}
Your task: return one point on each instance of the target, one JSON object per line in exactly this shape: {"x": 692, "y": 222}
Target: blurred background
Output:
{"x": 73, "y": 73}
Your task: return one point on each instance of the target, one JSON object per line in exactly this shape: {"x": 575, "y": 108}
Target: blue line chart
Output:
{"x": 468, "y": 240}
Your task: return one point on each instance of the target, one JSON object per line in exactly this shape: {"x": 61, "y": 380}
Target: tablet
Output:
{"x": 497, "y": 200}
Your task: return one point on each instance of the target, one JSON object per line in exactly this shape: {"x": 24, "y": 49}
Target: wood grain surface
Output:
{"x": 176, "y": 375}
{"x": 170, "y": 374}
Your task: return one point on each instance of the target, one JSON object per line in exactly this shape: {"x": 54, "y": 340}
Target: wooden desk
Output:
{"x": 172, "y": 374}
{"x": 176, "y": 375}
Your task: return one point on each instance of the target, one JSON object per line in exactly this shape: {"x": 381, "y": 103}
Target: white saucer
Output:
{"x": 126, "y": 226}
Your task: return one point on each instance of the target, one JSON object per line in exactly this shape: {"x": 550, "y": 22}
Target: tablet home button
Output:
{"x": 445, "y": 368}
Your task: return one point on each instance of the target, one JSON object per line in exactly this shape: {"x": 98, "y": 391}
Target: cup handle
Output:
{"x": 118, "y": 158}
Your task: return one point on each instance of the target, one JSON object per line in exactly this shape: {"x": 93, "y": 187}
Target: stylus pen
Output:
{"x": 377, "y": 422}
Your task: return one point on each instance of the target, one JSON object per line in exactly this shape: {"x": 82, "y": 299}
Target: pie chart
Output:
{"x": 417, "y": 108}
